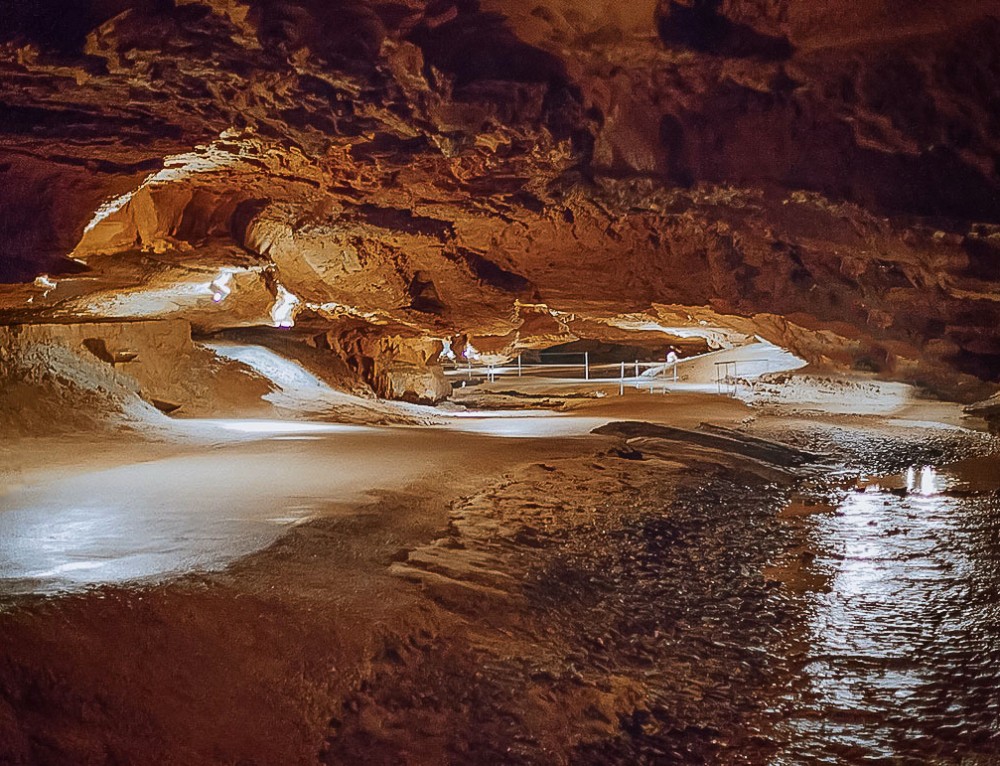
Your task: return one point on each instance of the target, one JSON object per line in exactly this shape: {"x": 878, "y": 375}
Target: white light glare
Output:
{"x": 282, "y": 427}
{"x": 924, "y": 484}
{"x": 283, "y": 310}
{"x": 220, "y": 286}
{"x": 927, "y": 484}
{"x": 110, "y": 207}
{"x": 203, "y": 159}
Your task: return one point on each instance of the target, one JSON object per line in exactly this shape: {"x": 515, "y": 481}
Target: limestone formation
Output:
{"x": 512, "y": 174}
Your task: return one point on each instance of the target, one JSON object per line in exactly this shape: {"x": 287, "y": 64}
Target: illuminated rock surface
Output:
{"x": 518, "y": 172}
{"x": 229, "y": 228}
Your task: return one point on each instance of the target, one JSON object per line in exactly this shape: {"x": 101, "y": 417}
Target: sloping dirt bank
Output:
{"x": 605, "y": 601}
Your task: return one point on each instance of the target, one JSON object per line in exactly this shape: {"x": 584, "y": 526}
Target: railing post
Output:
{"x": 637, "y": 368}
{"x": 621, "y": 382}
{"x": 586, "y": 365}
{"x": 519, "y": 365}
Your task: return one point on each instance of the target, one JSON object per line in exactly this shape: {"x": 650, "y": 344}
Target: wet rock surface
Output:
{"x": 634, "y": 626}
{"x": 988, "y": 410}
{"x": 687, "y": 622}
{"x": 898, "y": 663}
{"x": 623, "y": 599}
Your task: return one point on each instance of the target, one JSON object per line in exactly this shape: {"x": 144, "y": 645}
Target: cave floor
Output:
{"x": 507, "y": 588}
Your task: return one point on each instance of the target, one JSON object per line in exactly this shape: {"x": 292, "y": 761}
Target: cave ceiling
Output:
{"x": 518, "y": 173}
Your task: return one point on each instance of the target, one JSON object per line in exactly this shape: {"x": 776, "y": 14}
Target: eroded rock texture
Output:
{"x": 513, "y": 173}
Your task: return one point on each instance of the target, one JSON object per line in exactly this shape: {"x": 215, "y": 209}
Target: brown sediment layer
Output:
{"x": 602, "y": 604}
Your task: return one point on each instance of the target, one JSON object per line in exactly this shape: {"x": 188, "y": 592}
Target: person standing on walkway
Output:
{"x": 672, "y": 359}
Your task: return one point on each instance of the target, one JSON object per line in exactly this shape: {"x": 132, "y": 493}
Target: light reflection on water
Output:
{"x": 925, "y": 482}
{"x": 902, "y": 660}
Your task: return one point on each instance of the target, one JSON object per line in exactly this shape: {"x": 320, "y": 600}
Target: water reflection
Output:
{"x": 903, "y": 664}
{"x": 925, "y": 482}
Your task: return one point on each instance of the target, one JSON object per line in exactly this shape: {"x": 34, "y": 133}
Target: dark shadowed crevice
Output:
{"x": 404, "y": 220}
{"x": 491, "y": 273}
{"x": 698, "y": 24}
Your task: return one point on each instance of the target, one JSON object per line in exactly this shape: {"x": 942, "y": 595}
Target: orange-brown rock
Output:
{"x": 823, "y": 174}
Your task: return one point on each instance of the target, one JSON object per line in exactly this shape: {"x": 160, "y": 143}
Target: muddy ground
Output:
{"x": 616, "y": 603}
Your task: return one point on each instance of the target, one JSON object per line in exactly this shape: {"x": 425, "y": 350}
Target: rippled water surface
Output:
{"x": 900, "y": 597}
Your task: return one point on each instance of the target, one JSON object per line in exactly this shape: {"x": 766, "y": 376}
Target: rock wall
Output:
{"x": 396, "y": 367}
{"x": 820, "y": 173}
{"x": 154, "y": 360}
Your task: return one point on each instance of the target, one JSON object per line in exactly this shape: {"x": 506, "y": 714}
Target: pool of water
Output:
{"x": 236, "y": 492}
{"x": 899, "y": 658}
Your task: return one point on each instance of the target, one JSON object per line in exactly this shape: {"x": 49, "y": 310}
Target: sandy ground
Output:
{"x": 489, "y": 587}
{"x": 85, "y": 513}
{"x": 171, "y": 496}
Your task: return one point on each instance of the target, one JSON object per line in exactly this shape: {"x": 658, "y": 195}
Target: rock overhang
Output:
{"x": 431, "y": 169}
